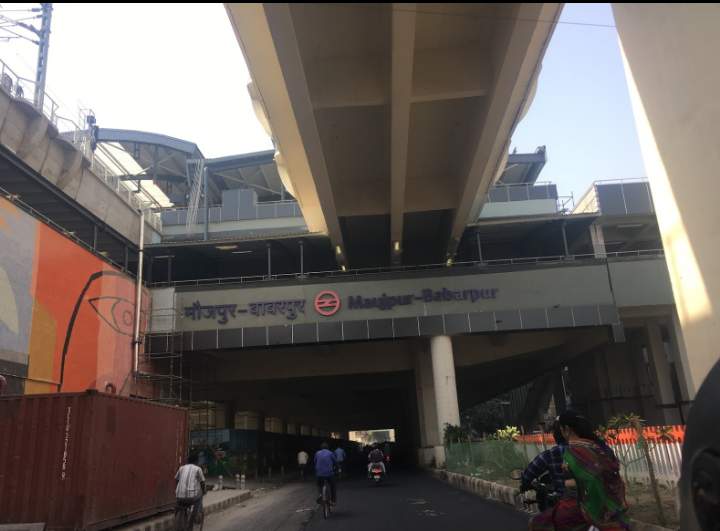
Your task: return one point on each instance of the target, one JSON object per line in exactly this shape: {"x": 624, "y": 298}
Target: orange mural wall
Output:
{"x": 78, "y": 333}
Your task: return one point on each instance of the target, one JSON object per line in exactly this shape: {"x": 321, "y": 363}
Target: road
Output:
{"x": 412, "y": 501}
{"x": 287, "y": 508}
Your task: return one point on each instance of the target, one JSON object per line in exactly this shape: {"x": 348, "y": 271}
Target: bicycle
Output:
{"x": 184, "y": 516}
{"x": 325, "y": 499}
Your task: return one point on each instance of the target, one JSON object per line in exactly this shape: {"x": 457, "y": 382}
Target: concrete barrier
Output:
{"x": 213, "y": 503}
{"x": 483, "y": 488}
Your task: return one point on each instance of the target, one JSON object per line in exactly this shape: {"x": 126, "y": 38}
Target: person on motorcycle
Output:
{"x": 548, "y": 464}
{"x": 325, "y": 463}
{"x": 190, "y": 485}
{"x": 376, "y": 458}
{"x": 595, "y": 471}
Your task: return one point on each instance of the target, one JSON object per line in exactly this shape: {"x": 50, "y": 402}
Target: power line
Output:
{"x": 34, "y": 10}
{"x": 18, "y": 35}
{"x": 9, "y": 20}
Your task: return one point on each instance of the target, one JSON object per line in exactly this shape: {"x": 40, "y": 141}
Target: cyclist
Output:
{"x": 190, "y": 486}
{"x": 325, "y": 463}
{"x": 340, "y": 458}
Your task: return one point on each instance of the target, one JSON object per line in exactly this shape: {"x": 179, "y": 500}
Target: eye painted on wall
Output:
{"x": 115, "y": 311}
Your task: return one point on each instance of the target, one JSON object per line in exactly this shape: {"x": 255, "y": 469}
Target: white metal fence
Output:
{"x": 666, "y": 458}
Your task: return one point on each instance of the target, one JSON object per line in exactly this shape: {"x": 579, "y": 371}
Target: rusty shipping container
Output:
{"x": 87, "y": 460}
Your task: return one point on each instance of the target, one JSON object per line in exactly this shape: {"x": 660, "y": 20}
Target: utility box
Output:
{"x": 87, "y": 461}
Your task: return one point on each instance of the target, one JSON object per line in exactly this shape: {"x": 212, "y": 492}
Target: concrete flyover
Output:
{"x": 51, "y": 174}
{"x": 392, "y": 120}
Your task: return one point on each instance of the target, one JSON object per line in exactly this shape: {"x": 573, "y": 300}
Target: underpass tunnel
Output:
{"x": 414, "y": 386}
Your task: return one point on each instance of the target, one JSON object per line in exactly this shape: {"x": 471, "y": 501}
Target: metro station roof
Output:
{"x": 160, "y": 162}
{"x": 253, "y": 170}
{"x": 523, "y": 168}
{"x": 131, "y": 137}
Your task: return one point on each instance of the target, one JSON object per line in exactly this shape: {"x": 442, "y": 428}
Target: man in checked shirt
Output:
{"x": 548, "y": 462}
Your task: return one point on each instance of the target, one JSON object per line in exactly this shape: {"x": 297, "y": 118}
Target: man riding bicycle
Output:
{"x": 325, "y": 463}
{"x": 190, "y": 488}
{"x": 340, "y": 458}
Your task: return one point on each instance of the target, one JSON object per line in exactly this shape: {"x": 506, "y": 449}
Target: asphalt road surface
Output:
{"x": 407, "y": 501}
{"x": 287, "y": 508}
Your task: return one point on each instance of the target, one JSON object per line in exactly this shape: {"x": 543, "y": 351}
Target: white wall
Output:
{"x": 519, "y": 208}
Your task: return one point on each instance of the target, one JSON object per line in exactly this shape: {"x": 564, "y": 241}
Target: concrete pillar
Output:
{"x": 446, "y": 400}
{"x": 669, "y": 52}
{"x": 682, "y": 361}
{"x": 658, "y": 359}
{"x": 427, "y": 414}
{"x": 597, "y": 238}
{"x": 563, "y": 231}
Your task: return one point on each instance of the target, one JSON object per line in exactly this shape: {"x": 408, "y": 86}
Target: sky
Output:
{"x": 177, "y": 69}
{"x": 174, "y": 69}
{"x": 582, "y": 110}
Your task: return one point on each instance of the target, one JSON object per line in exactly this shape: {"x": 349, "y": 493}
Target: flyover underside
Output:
{"x": 392, "y": 116}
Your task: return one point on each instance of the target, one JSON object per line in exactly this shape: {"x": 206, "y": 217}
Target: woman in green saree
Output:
{"x": 595, "y": 472}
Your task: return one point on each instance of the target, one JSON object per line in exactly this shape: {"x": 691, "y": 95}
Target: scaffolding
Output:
{"x": 161, "y": 368}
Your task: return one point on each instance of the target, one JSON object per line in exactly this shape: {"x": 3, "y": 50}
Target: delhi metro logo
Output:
{"x": 327, "y": 303}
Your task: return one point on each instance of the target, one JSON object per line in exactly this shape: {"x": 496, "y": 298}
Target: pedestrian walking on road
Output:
{"x": 302, "y": 458}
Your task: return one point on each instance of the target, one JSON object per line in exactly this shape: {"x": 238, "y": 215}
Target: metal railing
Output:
{"x": 493, "y": 460}
{"x": 589, "y": 202}
{"x": 15, "y": 200}
{"x": 262, "y": 210}
{"x": 508, "y": 193}
{"x": 357, "y": 273}
{"x": 504, "y": 193}
{"x": 23, "y": 89}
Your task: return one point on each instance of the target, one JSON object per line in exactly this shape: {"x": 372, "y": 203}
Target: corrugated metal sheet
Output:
{"x": 87, "y": 460}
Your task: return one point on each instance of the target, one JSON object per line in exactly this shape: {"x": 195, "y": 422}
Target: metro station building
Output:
{"x": 388, "y": 265}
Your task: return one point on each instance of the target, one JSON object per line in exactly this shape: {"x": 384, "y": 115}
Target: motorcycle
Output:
{"x": 545, "y": 496}
{"x": 376, "y": 473}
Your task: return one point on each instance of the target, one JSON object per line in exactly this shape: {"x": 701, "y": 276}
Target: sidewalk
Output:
{"x": 213, "y": 502}
{"x": 252, "y": 483}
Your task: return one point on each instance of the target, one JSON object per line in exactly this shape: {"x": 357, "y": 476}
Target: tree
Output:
{"x": 637, "y": 424}
{"x": 487, "y": 417}
{"x": 454, "y": 434}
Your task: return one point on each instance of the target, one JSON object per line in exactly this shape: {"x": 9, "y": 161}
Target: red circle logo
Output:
{"x": 327, "y": 303}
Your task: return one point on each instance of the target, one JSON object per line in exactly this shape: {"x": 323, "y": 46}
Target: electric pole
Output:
{"x": 42, "y": 60}
{"x": 42, "y": 40}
